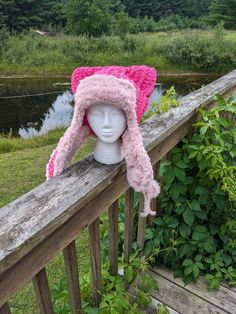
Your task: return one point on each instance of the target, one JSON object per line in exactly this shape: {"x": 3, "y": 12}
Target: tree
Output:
{"x": 223, "y": 10}
{"x": 162, "y": 8}
{"x": 22, "y": 14}
{"x": 92, "y": 17}
{"x": 123, "y": 24}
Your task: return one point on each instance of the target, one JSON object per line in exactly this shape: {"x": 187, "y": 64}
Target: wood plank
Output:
{"x": 153, "y": 308}
{"x": 5, "y": 309}
{"x": 113, "y": 238}
{"x": 95, "y": 255}
{"x": 25, "y": 222}
{"x": 180, "y": 299}
{"x": 224, "y": 298}
{"x": 129, "y": 220}
{"x": 42, "y": 292}
{"x": 24, "y": 270}
{"x": 232, "y": 288}
{"x": 141, "y": 223}
{"x": 72, "y": 275}
{"x": 154, "y": 201}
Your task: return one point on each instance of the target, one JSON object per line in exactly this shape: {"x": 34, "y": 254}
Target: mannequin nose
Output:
{"x": 106, "y": 121}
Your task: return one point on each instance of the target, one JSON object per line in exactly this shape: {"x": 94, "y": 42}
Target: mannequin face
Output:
{"x": 107, "y": 121}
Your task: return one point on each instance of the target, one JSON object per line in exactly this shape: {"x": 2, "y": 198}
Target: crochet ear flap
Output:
{"x": 139, "y": 168}
{"x": 67, "y": 147}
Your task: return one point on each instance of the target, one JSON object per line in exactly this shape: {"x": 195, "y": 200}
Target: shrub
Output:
{"x": 147, "y": 24}
{"x": 177, "y": 22}
{"x": 204, "y": 52}
{"x": 4, "y": 39}
{"x": 197, "y": 231}
{"x": 134, "y": 43}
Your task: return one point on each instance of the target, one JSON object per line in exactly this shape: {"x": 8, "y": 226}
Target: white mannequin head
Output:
{"x": 108, "y": 122}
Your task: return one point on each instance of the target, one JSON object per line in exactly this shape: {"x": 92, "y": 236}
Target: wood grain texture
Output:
{"x": 180, "y": 299}
{"x": 153, "y": 308}
{"x": 224, "y": 298}
{"x": 95, "y": 255}
{"x": 113, "y": 238}
{"x": 129, "y": 220}
{"x": 154, "y": 201}
{"x": 5, "y": 309}
{"x": 15, "y": 277}
{"x": 72, "y": 275}
{"x": 42, "y": 292}
{"x": 141, "y": 224}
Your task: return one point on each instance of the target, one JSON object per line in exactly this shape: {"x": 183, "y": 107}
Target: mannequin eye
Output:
{"x": 116, "y": 113}
{"x": 95, "y": 113}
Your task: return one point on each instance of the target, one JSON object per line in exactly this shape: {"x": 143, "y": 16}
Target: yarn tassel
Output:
{"x": 147, "y": 208}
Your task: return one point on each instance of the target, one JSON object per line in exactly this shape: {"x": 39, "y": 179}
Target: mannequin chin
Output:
{"x": 108, "y": 122}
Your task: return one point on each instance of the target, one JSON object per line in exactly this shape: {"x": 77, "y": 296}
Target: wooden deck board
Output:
{"x": 152, "y": 309}
{"x": 189, "y": 299}
{"x": 224, "y": 298}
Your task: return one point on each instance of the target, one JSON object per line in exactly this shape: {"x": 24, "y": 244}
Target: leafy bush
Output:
{"x": 197, "y": 231}
{"x": 4, "y": 39}
{"x": 147, "y": 24}
{"x": 204, "y": 52}
{"x": 177, "y": 22}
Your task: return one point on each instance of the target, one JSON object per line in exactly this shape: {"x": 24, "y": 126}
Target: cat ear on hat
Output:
{"x": 80, "y": 73}
{"x": 144, "y": 77}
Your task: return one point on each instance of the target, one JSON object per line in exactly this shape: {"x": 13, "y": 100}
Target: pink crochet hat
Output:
{"x": 129, "y": 89}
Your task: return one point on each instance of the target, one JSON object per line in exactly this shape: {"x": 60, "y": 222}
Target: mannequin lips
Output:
{"x": 107, "y": 132}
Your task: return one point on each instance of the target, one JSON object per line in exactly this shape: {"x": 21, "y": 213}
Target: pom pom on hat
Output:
{"x": 129, "y": 88}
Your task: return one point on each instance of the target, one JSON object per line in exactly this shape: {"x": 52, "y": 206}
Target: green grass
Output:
{"x": 57, "y": 55}
{"x": 22, "y": 169}
{"x": 8, "y": 143}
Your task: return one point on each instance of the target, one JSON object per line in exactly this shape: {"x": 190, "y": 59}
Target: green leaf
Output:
{"x": 200, "y": 265}
{"x": 209, "y": 246}
{"x": 173, "y": 191}
{"x": 201, "y": 214}
{"x": 196, "y": 271}
{"x": 164, "y": 167}
{"x": 213, "y": 282}
{"x": 188, "y": 270}
{"x": 169, "y": 176}
{"x": 148, "y": 248}
{"x": 181, "y": 164}
{"x": 172, "y": 222}
{"x": 129, "y": 274}
{"x": 184, "y": 230}
{"x": 148, "y": 234}
{"x": 187, "y": 262}
{"x": 143, "y": 299}
{"x": 200, "y": 190}
{"x": 188, "y": 216}
{"x": 180, "y": 209}
{"x": 148, "y": 284}
{"x": 195, "y": 205}
{"x": 179, "y": 173}
{"x": 162, "y": 309}
{"x": 192, "y": 154}
{"x": 198, "y": 257}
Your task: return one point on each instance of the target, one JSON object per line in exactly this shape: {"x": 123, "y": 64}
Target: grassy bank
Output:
{"x": 22, "y": 164}
{"x": 32, "y": 54}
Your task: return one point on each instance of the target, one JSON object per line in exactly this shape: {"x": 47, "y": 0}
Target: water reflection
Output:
{"x": 58, "y": 114}
{"x": 30, "y": 116}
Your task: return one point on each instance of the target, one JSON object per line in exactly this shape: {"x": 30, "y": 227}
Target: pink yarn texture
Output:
{"x": 128, "y": 88}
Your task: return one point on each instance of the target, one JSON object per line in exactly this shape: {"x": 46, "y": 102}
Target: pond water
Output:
{"x": 29, "y": 107}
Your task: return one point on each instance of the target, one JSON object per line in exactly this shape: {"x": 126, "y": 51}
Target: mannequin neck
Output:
{"x": 108, "y": 153}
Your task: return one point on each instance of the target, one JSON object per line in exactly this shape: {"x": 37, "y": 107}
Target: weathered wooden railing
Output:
{"x": 45, "y": 221}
